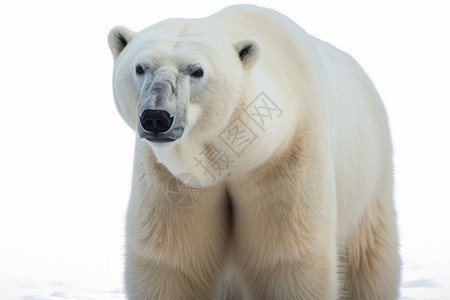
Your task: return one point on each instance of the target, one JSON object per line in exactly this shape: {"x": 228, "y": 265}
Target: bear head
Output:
{"x": 179, "y": 79}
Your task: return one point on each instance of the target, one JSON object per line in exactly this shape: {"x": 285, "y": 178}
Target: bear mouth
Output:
{"x": 161, "y": 137}
{"x": 160, "y": 140}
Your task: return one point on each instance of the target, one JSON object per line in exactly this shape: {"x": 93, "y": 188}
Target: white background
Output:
{"x": 66, "y": 155}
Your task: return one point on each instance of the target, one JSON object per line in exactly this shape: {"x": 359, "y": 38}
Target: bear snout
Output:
{"x": 155, "y": 121}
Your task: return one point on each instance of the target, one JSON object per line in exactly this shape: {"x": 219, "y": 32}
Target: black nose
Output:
{"x": 156, "y": 120}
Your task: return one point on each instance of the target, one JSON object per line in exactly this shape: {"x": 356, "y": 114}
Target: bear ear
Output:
{"x": 118, "y": 39}
{"x": 248, "y": 51}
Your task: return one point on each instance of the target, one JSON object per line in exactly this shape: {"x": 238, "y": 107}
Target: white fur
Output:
{"x": 311, "y": 197}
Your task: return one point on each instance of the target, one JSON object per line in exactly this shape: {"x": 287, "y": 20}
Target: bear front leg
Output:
{"x": 372, "y": 260}
{"x": 284, "y": 234}
{"x": 173, "y": 252}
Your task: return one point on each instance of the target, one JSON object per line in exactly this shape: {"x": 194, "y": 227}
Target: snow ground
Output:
{"x": 39, "y": 278}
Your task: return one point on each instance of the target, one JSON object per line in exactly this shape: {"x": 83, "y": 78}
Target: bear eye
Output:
{"x": 139, "y": 70}
{"x": 197, "y": 73}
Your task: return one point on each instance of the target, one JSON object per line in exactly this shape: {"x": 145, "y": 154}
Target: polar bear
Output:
{"x": 263, "y": 163}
